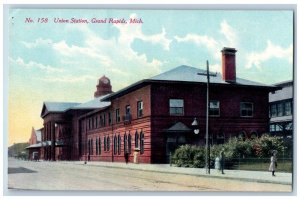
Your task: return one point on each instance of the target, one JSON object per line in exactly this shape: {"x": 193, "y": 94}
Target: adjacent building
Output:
{"x": 281, "y": 110}
{"x": 153, "y": 116}
{"x": 35, "y": 144}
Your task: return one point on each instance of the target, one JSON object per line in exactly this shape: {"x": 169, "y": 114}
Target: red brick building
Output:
{"x": 35, "y": 144}
{"x": 153, "y": 116}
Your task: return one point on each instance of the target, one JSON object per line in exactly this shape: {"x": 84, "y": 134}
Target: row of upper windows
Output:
{"x": 176, "y": 107}
{"x": 117, "y": 140}
{"x": 100, "y": 120}
{"x": 282, "y": 108}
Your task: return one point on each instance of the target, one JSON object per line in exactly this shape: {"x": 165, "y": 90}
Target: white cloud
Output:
{"x": 69, "y": 79}
{"x": 114, "y": 55}
{"x": 128, "y": 33}
{"x": 255, "y": 59}
{"x": 73, "y": 51}
{"x": 201, "y": 40}
{"x": 31, "y": 64}
{"x": 37, "y": 43}
{"x": 214, "y": 45}
{"x": 230, "y": 35}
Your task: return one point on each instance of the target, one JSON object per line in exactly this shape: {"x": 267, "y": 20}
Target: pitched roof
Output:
{"x": 179, "y": 127}
{"x": 38, "y": 134}
{"x": 92, "y": 104}
{"x": 56, "y": 107}
{"x": 185, "y": 74}
{"x": 95, "y": 103}
{"x": 285, "y": 93}
{"x": 190, "y": 74}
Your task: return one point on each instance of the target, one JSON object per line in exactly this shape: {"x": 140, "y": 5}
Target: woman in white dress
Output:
{"x": 273, "y": 163}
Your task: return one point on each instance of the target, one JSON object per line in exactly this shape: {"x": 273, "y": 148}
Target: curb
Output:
{"x": 191, "y": 174}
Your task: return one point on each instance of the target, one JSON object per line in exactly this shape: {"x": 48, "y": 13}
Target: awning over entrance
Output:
{"x": 45, "y": 144}
{"x": 179, "y": 127}
{"x": 38, "y": 145}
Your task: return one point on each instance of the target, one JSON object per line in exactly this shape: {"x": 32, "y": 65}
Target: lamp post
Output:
{"x": 195, "y": 125}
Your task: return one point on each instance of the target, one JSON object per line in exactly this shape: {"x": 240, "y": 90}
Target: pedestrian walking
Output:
{"x": 89, "y": 157}
{"x": 273, "y": 163}
{"x": 126, "y": 155}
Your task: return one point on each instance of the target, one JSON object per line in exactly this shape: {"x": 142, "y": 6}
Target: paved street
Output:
{"x": 77, "y": 176}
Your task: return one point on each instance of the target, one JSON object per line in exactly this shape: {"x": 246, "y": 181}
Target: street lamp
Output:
{"x": 195, "y": 125}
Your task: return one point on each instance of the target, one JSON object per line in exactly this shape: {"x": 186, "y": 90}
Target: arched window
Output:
{"x": 92, "y": 147}
{"x": 108, "y": 143}
{"x": 96, "y": 146}
{"x": 125, "y": 143}
{"x": 89, "y": 148}
{"x": 242, "y": 136}
{"x": 115, "y": 145}
{"x": 99, "y": 148}
{"x": 129, "y": 143}
{"x": 253, "y": 135}
{"x": 142, "y": 142}
{"x": 136, "y": 140}
{"x": 119, "y": 144}
{"x": 104, "y": 140}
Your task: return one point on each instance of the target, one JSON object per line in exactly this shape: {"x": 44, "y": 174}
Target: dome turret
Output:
{"x": 103, "y": 87}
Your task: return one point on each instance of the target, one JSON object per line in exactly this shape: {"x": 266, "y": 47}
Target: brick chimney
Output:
{"x": 228, "y": 64}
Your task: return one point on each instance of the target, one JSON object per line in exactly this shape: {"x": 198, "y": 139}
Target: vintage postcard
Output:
{"x": 150, "y": 100}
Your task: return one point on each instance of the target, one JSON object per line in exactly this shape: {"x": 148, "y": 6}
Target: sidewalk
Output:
{"x": 251, "y": 176}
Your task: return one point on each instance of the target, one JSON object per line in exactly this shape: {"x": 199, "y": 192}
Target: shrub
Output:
{"x": 189, "y": 156}
{"x": 266, "y": 143}
{"x": 234, "y": 150}
{"x": 199, "y": 158}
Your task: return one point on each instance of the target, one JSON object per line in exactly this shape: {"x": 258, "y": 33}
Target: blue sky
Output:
{"x": 62, "y": 62}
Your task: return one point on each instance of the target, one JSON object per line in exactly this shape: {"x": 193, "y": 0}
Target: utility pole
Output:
{"x": 207, "y": 147}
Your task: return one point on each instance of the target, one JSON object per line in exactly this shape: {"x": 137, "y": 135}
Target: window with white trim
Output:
{"x": 214, "y": 108}
{"x": 118, "y": 119}
{"x": 129, "y": 143}
{"x": 136, "y": 140}
{"x": 176, "y": 106}
{"x": 115, "y": 145}
{"x": 246, "y": 109}
{"x": 140, "y": 108}
{"x": 142, "y": 142}
{"x": 119, "y": 145}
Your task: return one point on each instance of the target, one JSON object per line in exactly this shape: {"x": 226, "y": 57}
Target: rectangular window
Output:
{"x": 272, "y": 127}
{"x": 118, "y": 115}
{"x": 140, "y": 109}
{"x": 246, "y": 109}
{"x": 127, "y": 110}
{"x": 214, "y": 108}
{"x": 97, "y": 125}
{"x": 109, "y": 118}
{"x": 279, "y": 109}
{"x": 101, "y": 121}
{"x": 273, "y": 110}
{"x": 127, "y": 117}
{"x": 278, "y": 127}
{"x": 176, "y": 106}
{"x": 288, "y": 108}
{"x": 104, "y": 120}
